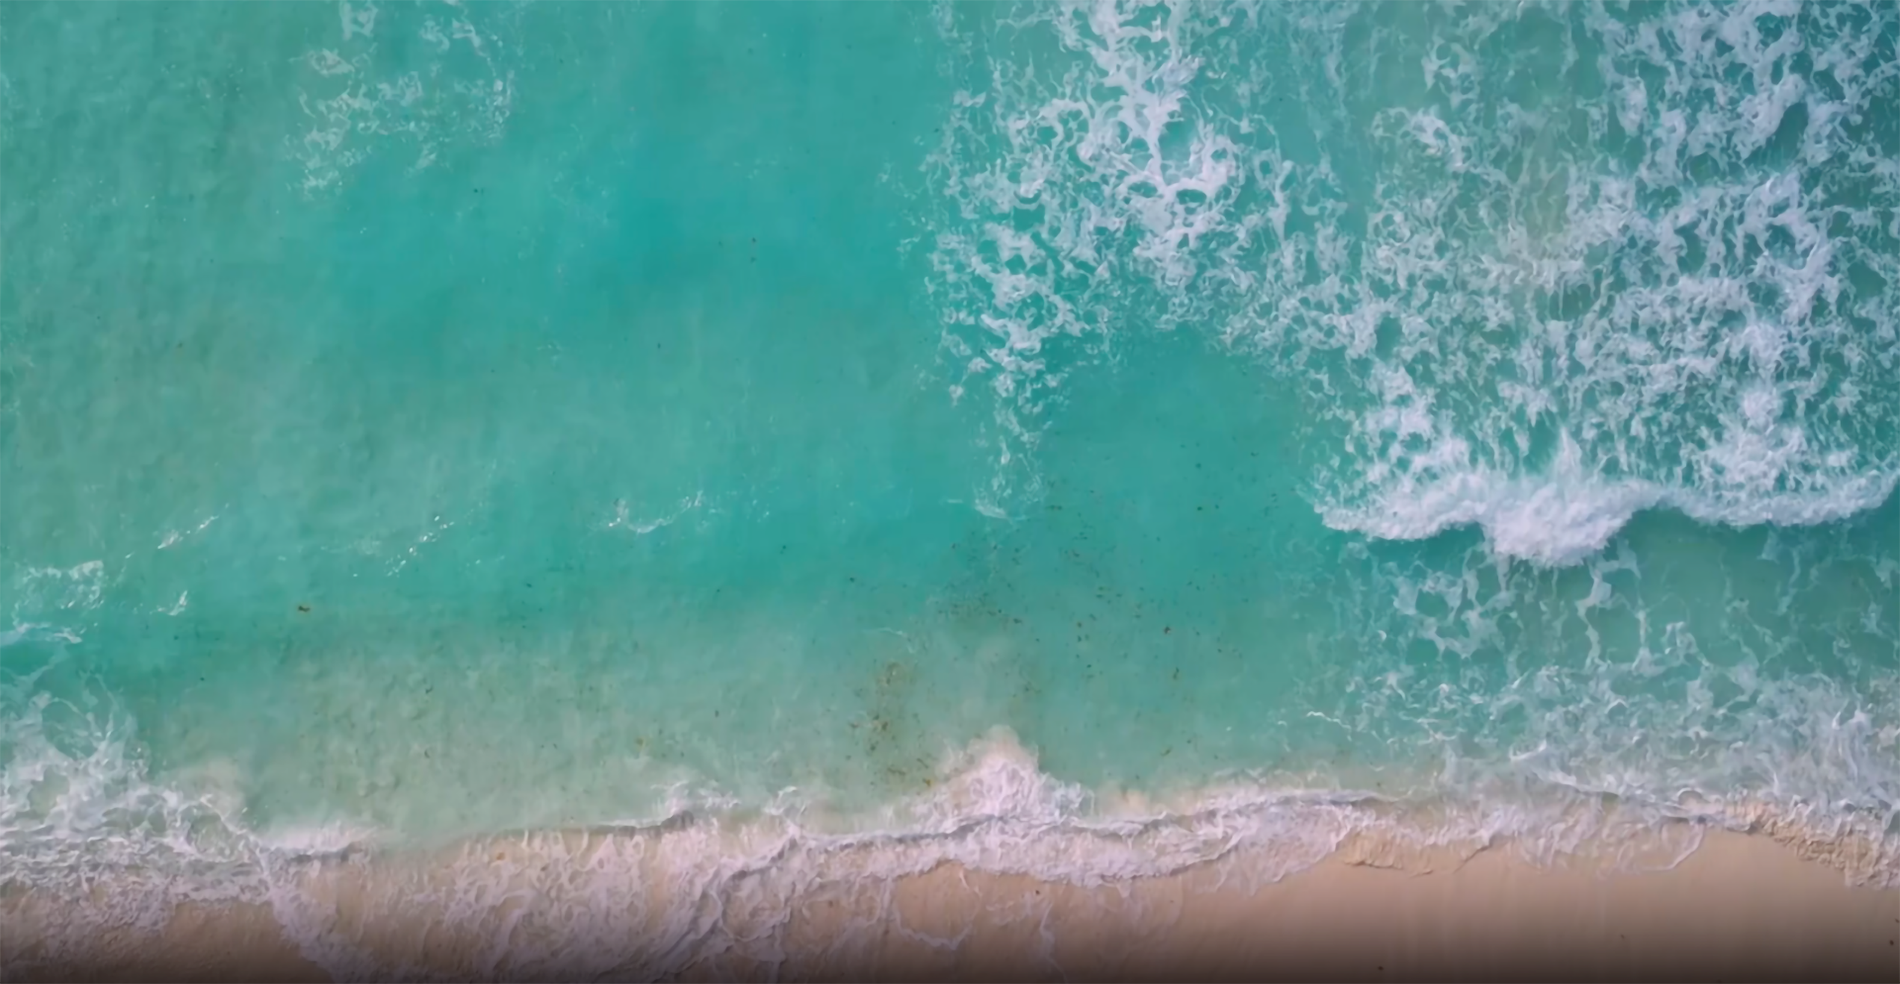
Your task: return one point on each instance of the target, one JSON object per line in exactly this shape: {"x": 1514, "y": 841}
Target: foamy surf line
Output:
{"x": 1566, "y": 518}
{"x": 940, "y": 887}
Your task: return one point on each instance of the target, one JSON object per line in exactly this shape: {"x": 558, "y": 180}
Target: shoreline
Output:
{"x": 1741, "y": 907}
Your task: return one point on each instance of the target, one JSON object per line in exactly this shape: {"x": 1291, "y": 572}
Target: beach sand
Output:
{"x": 1742, "y": 908}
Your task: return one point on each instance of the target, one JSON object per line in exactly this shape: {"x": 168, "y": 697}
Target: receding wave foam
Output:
{"x": 1547, "y": 266}
{"x": 721, "y": 885}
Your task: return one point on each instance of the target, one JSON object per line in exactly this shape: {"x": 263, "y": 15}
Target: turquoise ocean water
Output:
{"x": 1070, "y": 440}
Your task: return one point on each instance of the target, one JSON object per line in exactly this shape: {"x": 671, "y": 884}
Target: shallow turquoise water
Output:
{"x": 431, "y": 421}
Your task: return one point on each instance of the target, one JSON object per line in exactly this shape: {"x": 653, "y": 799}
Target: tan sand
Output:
{"x": 1741, "y": 908}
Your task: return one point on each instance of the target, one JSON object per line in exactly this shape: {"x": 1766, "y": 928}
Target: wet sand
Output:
{"x": 1742, "y": 908}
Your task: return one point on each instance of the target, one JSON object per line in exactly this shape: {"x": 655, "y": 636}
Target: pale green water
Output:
{"x": 426, "y": 421}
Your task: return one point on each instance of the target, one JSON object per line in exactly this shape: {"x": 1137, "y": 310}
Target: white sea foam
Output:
{"x": 353, "y": 110}
{"x": 57, "y": 590}
{"x": 1567, "y": 514}
{"x": 174, "y": 537}
{"x": 1517, "y": 325}
{"x": 624, "y": 519}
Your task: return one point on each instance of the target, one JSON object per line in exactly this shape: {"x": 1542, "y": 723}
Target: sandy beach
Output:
{"x": 1742, "y": 908}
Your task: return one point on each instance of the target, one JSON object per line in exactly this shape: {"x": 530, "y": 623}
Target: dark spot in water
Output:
{"x": 303, "y": 608}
